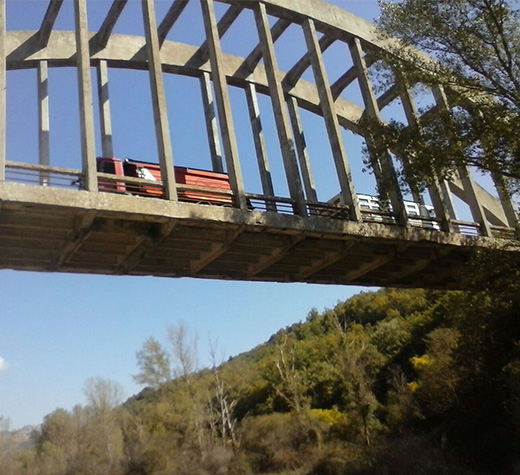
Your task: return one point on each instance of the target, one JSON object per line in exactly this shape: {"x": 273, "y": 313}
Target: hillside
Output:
{"x": 387, "y": 382}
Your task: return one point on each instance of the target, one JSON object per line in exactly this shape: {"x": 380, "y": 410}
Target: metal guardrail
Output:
{"x": 42, "y": 175}
{"x": 468, "y": 228}
{"x": 504, "y": 232}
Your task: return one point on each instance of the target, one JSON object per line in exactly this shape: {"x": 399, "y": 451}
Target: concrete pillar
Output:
{"x": 162, "y": 130}
{"x": 260, "y": 148}
{"x": 439, "y": 193}
{"x": 468, "y": 185}
{"x": 331, "y": 121}
{"x": 43, "y": 119}
{"x": 301, "y": 150}
{"x": 104, "y": 110}
{"x": 383, "y": 166}
{"x": 88, "y": 143}
{"x": 223, "y": 104}
{"x": 211, "y": 123}
{"x": 280, "y": 110}
{"x": 506, "y": 201}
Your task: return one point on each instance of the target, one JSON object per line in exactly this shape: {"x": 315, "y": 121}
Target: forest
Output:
{"x": 387, "y": 382}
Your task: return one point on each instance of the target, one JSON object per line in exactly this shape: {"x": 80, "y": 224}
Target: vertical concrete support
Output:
{"x": 104, "y": 110}
{"x": 331, "y": 120}
{"x": 88, "y": 144}
{"x": 162, "y": 130}
{"x": 464, "y": 173}
{"x": 43, "y": 120}
{"x": 280, "y": 110}
{"x": 506, "y": 201}
{"x": 211, "y": 123}
{"x": 383, "y": 166}
{"x": 261, "y": 152}
{"x": 504, "y": 195}
{"x": 2, "y": 91}
{"x": 301, "y": 149}
{"x": 223, "y": 104}
{"x": 439, "y": 193}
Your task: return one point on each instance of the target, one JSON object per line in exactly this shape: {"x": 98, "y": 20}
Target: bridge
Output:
{"x": 281, "y": 220}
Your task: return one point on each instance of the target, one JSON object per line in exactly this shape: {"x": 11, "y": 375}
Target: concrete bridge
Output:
{"x": 290, "y": 226}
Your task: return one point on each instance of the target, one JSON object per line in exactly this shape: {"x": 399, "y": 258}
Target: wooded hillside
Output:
{"x": 387, "y": 382}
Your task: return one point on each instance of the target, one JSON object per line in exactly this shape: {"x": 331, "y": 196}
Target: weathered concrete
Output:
{"x": 48, "y": 229}
{"x": 160, "y": 111}
{"x": 51, "y": 229}
{"x": 223, "y": 105}
{"x": 280, "y": 111}
{"x": 86, "y": 112}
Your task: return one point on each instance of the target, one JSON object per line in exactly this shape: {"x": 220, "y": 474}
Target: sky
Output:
{"x": 58, "y": 330}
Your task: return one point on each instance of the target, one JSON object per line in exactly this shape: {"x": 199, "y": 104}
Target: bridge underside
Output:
{"x": 45, "y": 229}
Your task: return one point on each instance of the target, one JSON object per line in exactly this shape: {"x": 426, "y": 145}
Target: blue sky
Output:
{"x": 57, "y": 330}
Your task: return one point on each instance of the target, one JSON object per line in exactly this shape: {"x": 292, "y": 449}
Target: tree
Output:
{"x": 359, "y": 362}
{"x": 223, "y": 406}
{"x": 104, "y": 425}
{"x": 291, "y": 384}
{"x": 154, "y": 364}
{"x": 475, "y": 46}
{"x": 183, "y": 350}
{"x": 103, "y": 395}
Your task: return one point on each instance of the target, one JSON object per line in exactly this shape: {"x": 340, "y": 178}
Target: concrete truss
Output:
{"x": 47, "y": 227}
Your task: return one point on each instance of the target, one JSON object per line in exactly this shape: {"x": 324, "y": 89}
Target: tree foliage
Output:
{"x": 385, "y": 382}
{"x": 471, "y": 49}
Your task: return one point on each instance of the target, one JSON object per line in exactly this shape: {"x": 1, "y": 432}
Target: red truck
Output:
{"x": 196, "y": 185}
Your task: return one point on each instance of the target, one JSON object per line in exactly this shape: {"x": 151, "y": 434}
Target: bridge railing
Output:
{"x": 43, "y": 175}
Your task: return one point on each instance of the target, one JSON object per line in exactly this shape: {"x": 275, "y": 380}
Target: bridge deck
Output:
{"x": 301, "y": 137}
{"x": 49, "y": 229}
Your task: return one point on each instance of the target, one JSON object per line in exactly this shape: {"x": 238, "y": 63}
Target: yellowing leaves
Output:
{"x": 421, "y": 362}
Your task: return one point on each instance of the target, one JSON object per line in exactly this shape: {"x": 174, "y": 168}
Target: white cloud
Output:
{"x": 3, "y": 365}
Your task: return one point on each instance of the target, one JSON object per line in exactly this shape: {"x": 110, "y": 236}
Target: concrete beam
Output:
{"x": 88, "y": 139}
{"x": 211, "y": 123}
{"x": 175, "y": 57}
{"x": 232, "y": 13}
{"x": 329, "y": 259}
{"x": 439, "y": 192}
{"x": 471, "y": 196}
{"x": 252, "y": 60}
{"x": 374, "y": 263}
{"x": 172, "y": 15}
{"x": 383, "y": 166}
{"x": 77, "y": 237}
{"x": 294, "y": 74}
{"x": 223, "y": 104}
{"x": 331, "y": 121}
{"x": 104, "y": 110}
{"x": 260, "y": 148}
{"x": 146, "y": 246}
{"x": 301, "y": 150}
{"x": 217, "y": 249}
{"x": 160, "y": 111}
{"x": 277, "y": 254}
{"x": 49, "y": 19}
{"x": 43, "y": 120}
{"x": 103, "y": 35}
{"x": 280, "y": 110}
